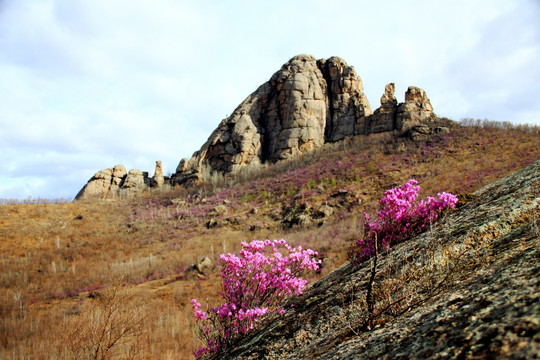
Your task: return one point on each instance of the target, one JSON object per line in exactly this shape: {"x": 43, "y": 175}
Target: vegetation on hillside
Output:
{"x": 64, "y": 266}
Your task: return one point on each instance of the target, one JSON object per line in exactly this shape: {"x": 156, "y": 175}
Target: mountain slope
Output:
{"x": 306, "y": 104}
{"x": 469, "y": 288}
{"x": 57, "y": 260}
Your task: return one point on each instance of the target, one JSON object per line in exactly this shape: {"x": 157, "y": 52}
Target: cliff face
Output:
{"x": 305, "y": 104}
{"x": 468, "y": 288}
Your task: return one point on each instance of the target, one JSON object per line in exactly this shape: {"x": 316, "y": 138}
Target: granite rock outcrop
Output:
{"x": 117, "y": 182}
{"x": 384, "y": 118}
{"x": 304, "y": 105}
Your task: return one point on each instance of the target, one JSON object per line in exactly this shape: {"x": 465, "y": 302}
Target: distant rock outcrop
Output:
{"x": 158, "y": 179}
{"x": 413, "y": 118}
{"x": 304, "y": 105}
{"x": 384, "y": 118}
{"x": 118, "y": 183}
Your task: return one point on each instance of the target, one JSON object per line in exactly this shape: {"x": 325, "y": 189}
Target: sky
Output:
{"x": 86, "y": 85}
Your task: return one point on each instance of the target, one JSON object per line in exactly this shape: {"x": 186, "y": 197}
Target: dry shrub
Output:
{"x": 111, "y": 327}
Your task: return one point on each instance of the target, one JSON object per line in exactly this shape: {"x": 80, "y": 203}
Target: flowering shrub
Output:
{"x": 253, "y": 285}
{"x": 400, "y": 216}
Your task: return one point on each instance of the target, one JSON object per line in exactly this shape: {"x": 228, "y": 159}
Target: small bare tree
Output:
{"x": 111, "y": 327}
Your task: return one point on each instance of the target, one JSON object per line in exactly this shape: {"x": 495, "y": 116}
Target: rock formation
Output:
{"x": 118, "y": 183}
{"x": 201, "y": 268}
{"x": 413, "y": 118}
{"x": 384, "y": 118}
{"x": 304, "y": 105}
{"x": 158, "y": 178}
{"x": 466, "y": 289}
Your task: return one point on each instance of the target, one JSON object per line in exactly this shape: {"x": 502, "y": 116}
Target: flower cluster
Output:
{"x": 400, "y": 216}
{"x": 253, "y": 285}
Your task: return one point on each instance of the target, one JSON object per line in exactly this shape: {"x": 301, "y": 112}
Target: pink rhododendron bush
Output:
{"x": 400, "y": 216}
{"x": 254, "y": 285}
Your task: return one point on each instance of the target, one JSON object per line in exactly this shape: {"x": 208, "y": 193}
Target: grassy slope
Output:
{"x": 53, "y": 257}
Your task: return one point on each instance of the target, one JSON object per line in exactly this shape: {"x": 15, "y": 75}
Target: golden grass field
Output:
{"x": 109, "y": 279}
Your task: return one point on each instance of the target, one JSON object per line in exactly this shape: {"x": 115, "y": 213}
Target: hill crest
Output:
{"x": 304, "y": 105}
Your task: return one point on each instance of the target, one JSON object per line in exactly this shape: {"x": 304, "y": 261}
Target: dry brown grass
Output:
{"x": 53, "y": 255}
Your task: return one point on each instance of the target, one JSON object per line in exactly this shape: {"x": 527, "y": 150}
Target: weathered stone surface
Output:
{"x": 201, "y": 268}
{"x": 413, "y": 118}
{"x": 134, "y": 179}
{"x": 98, "y": 186}
{"x": 219, "y": 210}
{"x": 158, "y": 179}
{"x": 119, "y": 173}
{"x": 467, "y": 288}
{"x": 182, "y": 166}
{"x": 384, "y": 118}
{"x": 303, "y": 105}
{"x": 117, "y": 182}
{"x": 348, "y": 106}
{"x": 419, "y": 132}
{"x": 416, "y": 110}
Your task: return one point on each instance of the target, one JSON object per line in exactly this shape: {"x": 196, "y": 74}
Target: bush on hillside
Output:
{"x": 254, "y": 284}
{"x": 400, "y": 217}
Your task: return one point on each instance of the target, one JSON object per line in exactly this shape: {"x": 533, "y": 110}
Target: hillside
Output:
{"x": 468, "y": 288}
{"x": 59, "y": 262}
{"x": 304, "y": 106}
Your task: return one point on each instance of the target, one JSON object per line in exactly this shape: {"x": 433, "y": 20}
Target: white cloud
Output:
{"x": 86, "y": 85}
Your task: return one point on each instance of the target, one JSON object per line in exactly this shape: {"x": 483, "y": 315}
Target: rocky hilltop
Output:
{"x": 466, "y": 289}
{"x": 304, "y": 105}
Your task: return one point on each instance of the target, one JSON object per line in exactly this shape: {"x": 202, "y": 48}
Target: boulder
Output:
{"x": 135, "y": 179}
{"x": 325, "y": 211}
{"x": 119, "y": 173}
{"x": 219, "y": 210}
{"x": 97, "y": 187}
{"x": 419, "y": 132}
{"x": 201, "y": 268}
